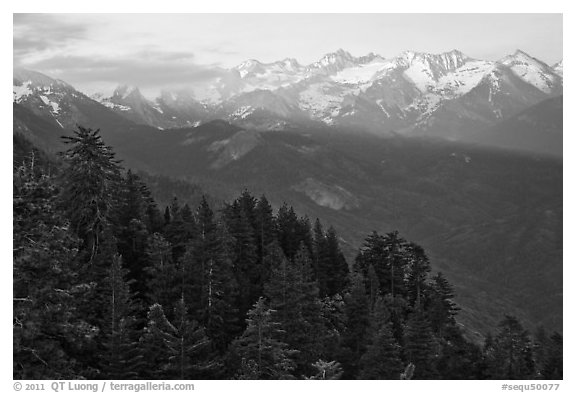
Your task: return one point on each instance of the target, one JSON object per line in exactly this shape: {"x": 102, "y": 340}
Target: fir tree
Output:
{"x": 511, "y": 354}
{"x": 357, "y": 321}
{"x": 287, "y": 227}
{"x": 442, "y": 309}
{"x": 297, "y": 306}
{"x": 418, "y": 267}
{"x": 265, "y": 232}
{"x": 90, "y": 185}
{"x": 208, "y": 279}
{"x": 262, "y": 354}
{"x": 121, "y": 358}
{"x": 420, "y": 346}
{"x": 163, "y": 281}
{"x": 247, "y": 271}
{"x": 382, "y": 357}
{"x": 177, "y": 349}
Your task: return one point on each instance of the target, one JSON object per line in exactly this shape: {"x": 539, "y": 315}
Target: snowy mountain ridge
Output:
{"x": 412, "y": 93}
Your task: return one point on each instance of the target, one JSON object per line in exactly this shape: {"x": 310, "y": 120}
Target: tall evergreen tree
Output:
{"x": 262, "y": 354}
{"x": 178, "y": 349}
{"x": 442, "y": 309}
{"x": 122, "y": 357}
{"x": 420, "y": 346}
{"x": 298, "y": 310}
{"x": 333, "y": 266}
{"x": 357, "y": 321}
{"x": 511, "y": 354}
{"x": 382, "y": 357}
{"x": 208, "y": 278}
{"x": 90, "y": 185}
{"x": 163, "y": 277}
{"x": 247, "y": 271}
{"x": 287, "y": 227}
{"x": 418, "y": 267}
{"x": 265, "y": 233}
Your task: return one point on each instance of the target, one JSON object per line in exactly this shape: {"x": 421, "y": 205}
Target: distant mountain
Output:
{"x": 447, "y": 95}
{"x": 164, "y": 112}
{"x": 536, "y": 129}
{"x": 60, "y": 104}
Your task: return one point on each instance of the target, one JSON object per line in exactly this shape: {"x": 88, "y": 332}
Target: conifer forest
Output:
{"x": 109, "y": 284}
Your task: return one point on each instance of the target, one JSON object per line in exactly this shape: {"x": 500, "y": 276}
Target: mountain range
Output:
{"x": 448, "y": 95}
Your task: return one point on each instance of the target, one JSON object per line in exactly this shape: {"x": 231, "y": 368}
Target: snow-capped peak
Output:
{"x": 532, "y": 70}
{"x": 290, "y": 64}
{"x": 124, "y": 91}
{"x": 335, "y": 60}
{"x": 521, "y": 57}
{"x": 248, "y": 66}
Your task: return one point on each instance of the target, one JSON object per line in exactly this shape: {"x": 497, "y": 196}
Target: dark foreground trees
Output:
{"x": 109, "y": 285}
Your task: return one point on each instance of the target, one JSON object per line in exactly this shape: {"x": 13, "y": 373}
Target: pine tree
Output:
{"x": 459, "y": 358}
{"x": 247, "y": 271}
{"x": 130, "y": 227}
{"x": 287, "y": 227}
{"x": 208, "y": 279}
{"x": 262, "y": 354}
{"x": 318, "y": 248}
{"x": 333, "y": 266}
{"x": 357, "y": 321}
{"x": 420, "y": 346}
{"x": 442, "y": 309}
{"x": 394, "y": 247}
{"x": 297, "y": 306}
{"x": 177, "y": 232}
{"x": 122, "y": 357}
{"x": 418, "y": 267}
{"x": 177, "y": 349}
{"x": 90, "y": 185}
{"x": 163, "y": 281}
{"x": 511, "y": 354}
{"x": 265, "y": 233}
{"x": 382, "y": 357}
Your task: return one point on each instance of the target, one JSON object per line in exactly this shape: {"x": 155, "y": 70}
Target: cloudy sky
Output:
{"x": 97, "y": 51}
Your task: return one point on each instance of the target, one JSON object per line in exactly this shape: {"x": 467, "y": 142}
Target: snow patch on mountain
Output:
{"x": 19, "y": 92}
{"x": 54, "y": 105}
{"x": 242, "y": 112}
{"x": 320, "y": 99}
{"x": 112, "y": 105}
{"x": 361, "y": 73}
{"x": 421, "y": 75}
{"x": 464, "y": 78}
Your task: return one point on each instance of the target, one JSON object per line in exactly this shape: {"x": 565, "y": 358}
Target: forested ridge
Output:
{"x": 108, "y": 285}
